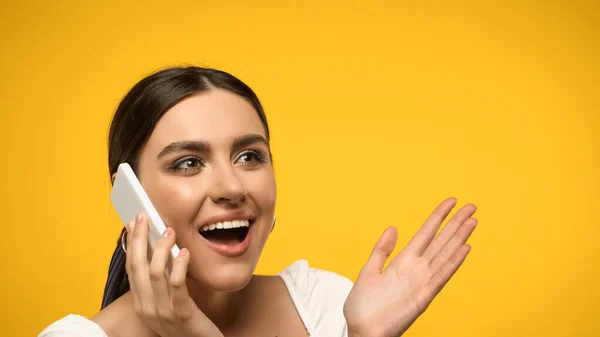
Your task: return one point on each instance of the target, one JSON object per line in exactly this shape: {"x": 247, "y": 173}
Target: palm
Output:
{"x": 385, "y": 302}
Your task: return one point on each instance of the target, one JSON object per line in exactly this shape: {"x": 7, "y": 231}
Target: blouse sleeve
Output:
{"x": 73, "y": 326}
{"x": 319, "y": 297}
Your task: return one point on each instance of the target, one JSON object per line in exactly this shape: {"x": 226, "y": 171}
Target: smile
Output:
{"x": 228, "y": 238}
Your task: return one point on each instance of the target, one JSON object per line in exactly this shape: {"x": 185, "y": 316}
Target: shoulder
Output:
{"x": 120, "y": 319}
{"x": 319, "y": 296}
{"x": 117, "y": 319}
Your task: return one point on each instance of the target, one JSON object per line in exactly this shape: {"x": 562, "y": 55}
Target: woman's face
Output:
{"x": 206, "y": 167}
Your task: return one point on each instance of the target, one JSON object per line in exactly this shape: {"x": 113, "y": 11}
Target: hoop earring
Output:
{"x": 123, "y": 241}
{"x": 274, "y": 221}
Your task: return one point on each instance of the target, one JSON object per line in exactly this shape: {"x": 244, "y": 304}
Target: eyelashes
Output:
{"x": 191, "y": 164}
{"x": 254, "y": 156}
{"x": 186, "y": 164}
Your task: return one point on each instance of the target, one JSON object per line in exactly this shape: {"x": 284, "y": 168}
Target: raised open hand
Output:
{"x": 385, "y": 303}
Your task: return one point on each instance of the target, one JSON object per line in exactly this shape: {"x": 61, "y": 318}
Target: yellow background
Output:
{"x": 379, "y": 110}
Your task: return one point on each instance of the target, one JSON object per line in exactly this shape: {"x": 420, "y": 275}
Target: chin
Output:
{"x": 226, "y": 277}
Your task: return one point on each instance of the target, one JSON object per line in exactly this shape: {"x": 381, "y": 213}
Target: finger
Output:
{"x": 449, "y": 230}
{"x": 128, "y": 236}
{"x": 458, "y": 239}
{"x": 425, "y": 234}
{"x": 128, "y": 259}
{"x": 157, "y": 270}
{"x": 178, "y": 286}
{"x": 138, "y": 265}
{"x": 138, "y": 244}
{"x": 443, "y": 275}
{"x": 382, "y": 251}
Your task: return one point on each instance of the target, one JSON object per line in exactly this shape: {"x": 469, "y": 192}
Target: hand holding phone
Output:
{"x": 129, "y": 198}
{"x": 174, "y": 313}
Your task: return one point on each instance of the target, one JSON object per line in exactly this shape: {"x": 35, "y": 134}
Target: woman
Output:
{"x": 198, "y": 140}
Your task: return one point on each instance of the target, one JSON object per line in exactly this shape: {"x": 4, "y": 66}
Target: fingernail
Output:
{"x": 182, "y": 252}
{"x": 167, "y": 233}
{"x": 139, "y": 218}
{"x": 130, "y": 225}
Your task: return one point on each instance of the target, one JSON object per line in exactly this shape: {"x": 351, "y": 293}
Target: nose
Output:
{"x": 226, "y": 186}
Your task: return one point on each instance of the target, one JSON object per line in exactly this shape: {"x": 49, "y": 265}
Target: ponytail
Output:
{"x": 117, "y": 282}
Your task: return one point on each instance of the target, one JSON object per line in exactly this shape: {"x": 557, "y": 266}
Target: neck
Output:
{"x": 223, "y": 308}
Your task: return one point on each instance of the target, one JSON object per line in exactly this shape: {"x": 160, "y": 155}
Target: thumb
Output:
{"x": 382, "y": 251}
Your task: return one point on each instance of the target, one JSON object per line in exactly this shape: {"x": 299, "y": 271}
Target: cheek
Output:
{"x": 175, "y": 202}
{"x": 264, "y": 190}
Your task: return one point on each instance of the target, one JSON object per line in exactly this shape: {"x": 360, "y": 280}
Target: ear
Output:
{"x": 112, "y": 179}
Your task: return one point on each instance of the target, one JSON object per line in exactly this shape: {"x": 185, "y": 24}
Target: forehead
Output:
{"x": 213, "y": 116}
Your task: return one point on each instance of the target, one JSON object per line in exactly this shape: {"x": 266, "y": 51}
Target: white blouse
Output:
{"x": 318, "y": 295}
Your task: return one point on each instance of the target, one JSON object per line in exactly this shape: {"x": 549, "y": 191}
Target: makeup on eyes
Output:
{"x": 258, "y": 157}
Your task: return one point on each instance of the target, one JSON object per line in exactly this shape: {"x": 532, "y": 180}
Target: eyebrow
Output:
{"x": 203, "y": 147}
{"x": 247, "y": 140}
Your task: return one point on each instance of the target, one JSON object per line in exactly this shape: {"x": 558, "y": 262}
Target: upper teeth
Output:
{"x": 226, "y": 225}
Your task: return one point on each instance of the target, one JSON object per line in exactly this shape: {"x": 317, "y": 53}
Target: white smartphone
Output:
{"x": 129, "y": 198}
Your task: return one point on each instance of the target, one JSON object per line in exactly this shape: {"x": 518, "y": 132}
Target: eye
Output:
{"x": 187, "y": 164}
{"x": 250, "y": 157}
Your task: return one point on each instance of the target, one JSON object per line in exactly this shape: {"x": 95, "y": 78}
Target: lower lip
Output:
{"x": 231, "y": 250}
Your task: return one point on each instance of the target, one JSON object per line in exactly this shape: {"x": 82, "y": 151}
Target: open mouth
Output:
{"x": 228, "y": 232}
